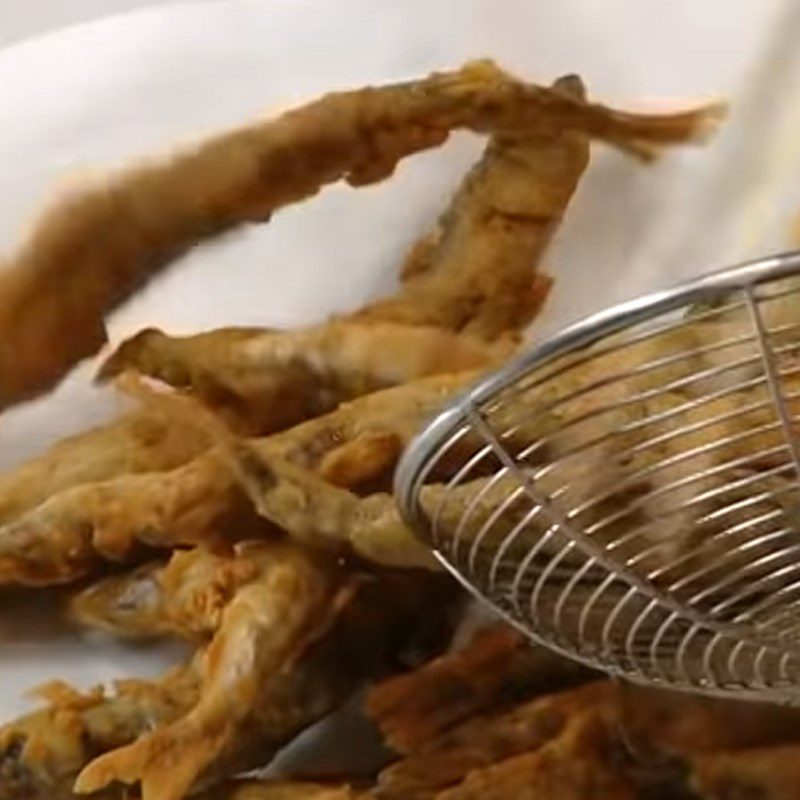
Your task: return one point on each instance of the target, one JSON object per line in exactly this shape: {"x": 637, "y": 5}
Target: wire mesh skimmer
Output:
{"x": 627, "y": 492}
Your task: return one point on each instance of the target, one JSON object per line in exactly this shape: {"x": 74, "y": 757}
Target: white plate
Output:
{"x": 98, "y": 94}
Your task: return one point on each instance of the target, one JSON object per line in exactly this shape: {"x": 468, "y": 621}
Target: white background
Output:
{"x": 95, "y": 96}
{"x": 21, "y": 20}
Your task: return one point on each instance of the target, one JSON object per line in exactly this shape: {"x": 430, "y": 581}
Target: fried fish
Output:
{"x": 142, "y": 440}
{"x": 260, "y": 632}
{"x": 478, "y": 271}
{"x": 92, "y": 250}
{"x": 263, "y": 381}
{"x": 202, "y": 502}
{"x": 378, "y": 618}
{"x": 497, "y": 668}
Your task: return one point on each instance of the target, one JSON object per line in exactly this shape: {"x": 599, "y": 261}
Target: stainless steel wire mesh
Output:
{"x": 628, "y": 492}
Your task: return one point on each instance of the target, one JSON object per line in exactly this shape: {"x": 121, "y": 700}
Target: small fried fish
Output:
{"x": 197, "y": 502}
{"x": 185, "y": 597}
{"x": 478, "y": 271}
{"x": 142, "y": 440}
{"x": 361, "y": 637}
{"x": 117, "y": 235}
{"x": 264, "y": 381}
{"x": 582, "y": 763}
{"x": 490, "y": 739}
{"x": 498, "y": 667}
{"x": 67, "y": 535}
{"x": 261, "y": 631}
{"x": 42, "y": 753}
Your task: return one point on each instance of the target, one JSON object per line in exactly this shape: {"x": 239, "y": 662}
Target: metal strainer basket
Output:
{"x": 627, "y": 492}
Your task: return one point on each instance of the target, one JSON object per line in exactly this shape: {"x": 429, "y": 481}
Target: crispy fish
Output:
{"x": 42, "y": 754}
{"x": 198, "y": 502}
{"x": 143, "y": 440}
{"x": 117, "y": 235}
{"x": 582, "y": 763}
{"x": 65, "y": 537}
{"x": 498, "y": 667}
{"x": 261, "y": 631}
{"x": 264, "y": 381}
{"x": 185, "y": 597}
{"x": 488, "y": 739}
{"x": 326, "y": 516}
{"x": 477, "y": 271}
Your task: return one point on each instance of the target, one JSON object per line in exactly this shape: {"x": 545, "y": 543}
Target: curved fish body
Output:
{"x": 52, "y": 316}
{"x": 202, "y": 502}
{"x": 360, "y": 636}
{"x": 264, "y": 381}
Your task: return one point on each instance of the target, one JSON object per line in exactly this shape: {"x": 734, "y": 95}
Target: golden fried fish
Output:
{"x": 491, "y": 739}
{"x": 498, "y": 667}
{"x": 261, "y": 631}
{"x": 184, "y": 597}
{"x": 376, "y": 618}
{"x": 65, "y": 537}
{"x": 94, "y": 249}
{"x": 264, "y": 381}
{"x": 200, "y": 501}
{"x": 42, "y": 753}
{"x": 477, "y": 272}
{"x": 143, "y": 440}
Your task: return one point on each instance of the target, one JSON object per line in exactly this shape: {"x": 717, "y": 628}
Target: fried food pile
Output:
{"x": 500, "y": 719}
{"x": 146, "y": 216}
{"x": 244, "y": 506}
